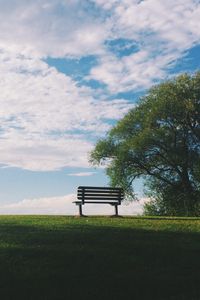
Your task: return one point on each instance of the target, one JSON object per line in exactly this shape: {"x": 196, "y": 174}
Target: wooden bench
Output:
{"x": 99, "y": 195}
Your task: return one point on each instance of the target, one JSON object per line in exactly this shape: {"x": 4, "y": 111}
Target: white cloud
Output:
{"x": 52, "y": 28}
{"x": 42, "y": 153}
{"x": 173, "y": 22}
{"x": 82, "y": 174}
{"x": 63, "y": 205}
{"x": 162, "y": 31}
{"x": 44, "y": 115}
{"x": 133, "y": 72}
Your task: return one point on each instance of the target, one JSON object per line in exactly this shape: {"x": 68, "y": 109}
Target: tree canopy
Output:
{"x": 159, "y": 140}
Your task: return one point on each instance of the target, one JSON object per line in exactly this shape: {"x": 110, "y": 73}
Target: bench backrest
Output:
{"x": 92, "y": 193}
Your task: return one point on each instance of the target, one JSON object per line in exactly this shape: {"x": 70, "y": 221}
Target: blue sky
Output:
{"x": 69, "y": 69}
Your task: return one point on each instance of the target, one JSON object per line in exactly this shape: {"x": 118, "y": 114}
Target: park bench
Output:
{"x": 99, "y": 195}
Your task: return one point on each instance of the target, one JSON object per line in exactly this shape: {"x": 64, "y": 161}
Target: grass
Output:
{"x": 47, "y": 257}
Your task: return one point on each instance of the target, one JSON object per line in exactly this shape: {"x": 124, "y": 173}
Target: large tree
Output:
{"x": 159, "y": 140}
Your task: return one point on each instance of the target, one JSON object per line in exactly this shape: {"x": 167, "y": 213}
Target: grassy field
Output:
{"x": 47, "y": 257}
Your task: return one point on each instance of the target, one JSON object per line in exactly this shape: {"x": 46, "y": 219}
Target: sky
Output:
{"x": 69, "y": 70}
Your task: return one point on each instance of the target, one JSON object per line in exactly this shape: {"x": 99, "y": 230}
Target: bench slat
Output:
{"x": 98, "y": 188}
{"x": 99, "y": 192}
{"x": 97, "y": 202}
{"x": 100, "y": 198}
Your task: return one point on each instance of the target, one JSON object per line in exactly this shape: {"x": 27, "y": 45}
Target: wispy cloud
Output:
{"x": 44, "y": 115}
{"x": 63, "y": 205}
{"x": 82, "y": 174}
{"x": 52, "y": 28}
{"x": 162, "y": 31}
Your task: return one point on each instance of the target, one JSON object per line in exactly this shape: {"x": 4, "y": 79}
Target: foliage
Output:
{"x": 159, "y": 140}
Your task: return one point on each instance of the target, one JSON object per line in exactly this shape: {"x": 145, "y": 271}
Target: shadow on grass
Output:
{"x": 85, "y": 261}
{"x": 162, "y": 218}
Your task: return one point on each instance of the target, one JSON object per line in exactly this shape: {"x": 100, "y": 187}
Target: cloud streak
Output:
{"x": 63, "y": 205}
{"x": 82, "y": 174}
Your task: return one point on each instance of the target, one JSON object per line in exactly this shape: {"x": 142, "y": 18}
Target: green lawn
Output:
{"x": 47, "y": 257}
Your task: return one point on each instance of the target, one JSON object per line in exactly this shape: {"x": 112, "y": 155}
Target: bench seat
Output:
{"x": 97, "y": 202}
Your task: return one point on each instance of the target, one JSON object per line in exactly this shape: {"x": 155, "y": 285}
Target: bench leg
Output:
{"x": 80, "y": 210}
{"x": 116, "y": 210}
